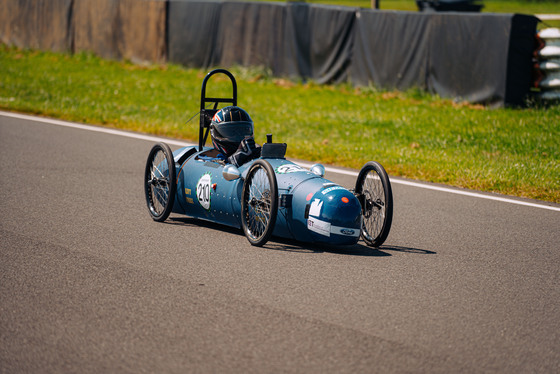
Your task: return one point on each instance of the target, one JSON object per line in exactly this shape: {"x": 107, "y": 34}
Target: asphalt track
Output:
{"x": 90, "y": 284}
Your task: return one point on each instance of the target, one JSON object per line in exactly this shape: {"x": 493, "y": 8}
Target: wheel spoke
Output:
{"x": 159, "y": 182}
{"x": 258, "y": 210}
{"x": 374, "y": 210}
{"x": 259, "y": 203}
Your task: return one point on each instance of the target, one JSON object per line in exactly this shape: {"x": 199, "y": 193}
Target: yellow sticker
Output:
{"x": 187, "y": 191}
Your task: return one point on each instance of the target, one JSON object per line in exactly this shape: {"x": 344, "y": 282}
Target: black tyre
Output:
{"x": 259, "y": 203}
{"x": 160, "y": 182}
{"x": 373, "y": 190}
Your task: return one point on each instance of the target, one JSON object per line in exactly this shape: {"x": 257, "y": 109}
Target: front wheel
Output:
{"x": 373, "y": 190}
{"x": 160, "y": 182}
{"x": 259, "y": 203}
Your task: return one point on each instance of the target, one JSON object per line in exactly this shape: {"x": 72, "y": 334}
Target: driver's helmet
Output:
{"x": 230, "y": 125}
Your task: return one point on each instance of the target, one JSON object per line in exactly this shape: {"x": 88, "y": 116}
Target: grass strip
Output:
{"x": 413, "y": 134}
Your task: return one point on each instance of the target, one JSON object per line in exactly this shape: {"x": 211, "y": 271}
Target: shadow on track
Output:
{"x": 189, "y": 221}
{"x": 397, "y": 248}
{"x": 286, "y": 245}
{"x": 293, "y": 246}
{"x": 359, "y": 249}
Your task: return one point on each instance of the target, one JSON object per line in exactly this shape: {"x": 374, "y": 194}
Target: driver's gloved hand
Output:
{"x": 247, "y": 151}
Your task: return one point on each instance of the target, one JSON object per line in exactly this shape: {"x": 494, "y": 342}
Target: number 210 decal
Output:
{"x": 203, "y": 188}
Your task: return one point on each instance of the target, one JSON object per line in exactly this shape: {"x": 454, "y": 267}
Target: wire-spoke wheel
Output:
{"x": 373, "y": 190}
{"x": 160, "y": 182}
{"x": 259, "y": 203}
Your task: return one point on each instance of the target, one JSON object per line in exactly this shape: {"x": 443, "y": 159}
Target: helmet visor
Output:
{"x": 233, "y": 132}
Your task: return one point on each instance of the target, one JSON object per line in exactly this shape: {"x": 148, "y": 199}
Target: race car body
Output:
{"x": 265, "y": 195}
{"x": 310, "y": 207}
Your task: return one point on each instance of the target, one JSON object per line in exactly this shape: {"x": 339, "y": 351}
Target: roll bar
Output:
{"x": 206, "y": 115}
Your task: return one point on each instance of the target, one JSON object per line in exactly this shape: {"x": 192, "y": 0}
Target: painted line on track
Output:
{"x": 304, "y": 164}
{"x": 548, "y": 17}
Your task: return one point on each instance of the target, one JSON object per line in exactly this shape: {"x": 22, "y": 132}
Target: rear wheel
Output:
{"x": 160, "y": 182}
{"x": 373, "y": 190}
{"x": 259, "y": 203}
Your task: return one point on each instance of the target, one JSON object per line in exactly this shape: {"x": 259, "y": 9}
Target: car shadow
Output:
{"x": 195, "y": 222}
{"x": 397, "y": 248}
{"x": 294, "y": 246}
{"x": 359, "y": 249}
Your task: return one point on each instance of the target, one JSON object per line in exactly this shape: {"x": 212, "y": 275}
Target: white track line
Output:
{"x": 328, "y": 168}
{"x": 548, "y": 17}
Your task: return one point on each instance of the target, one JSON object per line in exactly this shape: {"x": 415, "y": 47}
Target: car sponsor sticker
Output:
{"x": 330, "y": 189}
{"x": 288, "y": 168}
{"x": 346, "y": 231}
{"x": 203, "y": 188}
{"x": 318, "y": 226}
{"x": 315, "y": 209}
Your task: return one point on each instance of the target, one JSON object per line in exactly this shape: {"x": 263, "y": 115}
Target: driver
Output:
{"x": 232, "y": 135}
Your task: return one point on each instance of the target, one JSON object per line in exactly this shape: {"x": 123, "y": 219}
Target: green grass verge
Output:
{"x": 415, "y": 135}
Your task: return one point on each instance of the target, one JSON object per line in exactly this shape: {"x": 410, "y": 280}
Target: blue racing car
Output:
{"x": 238, "y": 184}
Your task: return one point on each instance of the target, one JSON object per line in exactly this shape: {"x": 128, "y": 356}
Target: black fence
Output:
{"x": 478, "y": 57}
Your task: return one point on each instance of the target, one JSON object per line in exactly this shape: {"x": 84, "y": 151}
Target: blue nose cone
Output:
{"x": 334, "y": 216}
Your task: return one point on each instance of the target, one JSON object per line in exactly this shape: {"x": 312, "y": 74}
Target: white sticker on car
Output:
{"x": 330, "y": 189}
{"x": 315, "y": 209}
{"x": 318, "y": 226}
{"x": 203, "y": 188}
{"x": 288, "y": 168}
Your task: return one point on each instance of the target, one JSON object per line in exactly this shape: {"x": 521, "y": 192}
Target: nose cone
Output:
{"x": 334, "y": 216}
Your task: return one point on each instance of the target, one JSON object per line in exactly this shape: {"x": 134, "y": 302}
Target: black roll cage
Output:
{"x": 206, "y": 115}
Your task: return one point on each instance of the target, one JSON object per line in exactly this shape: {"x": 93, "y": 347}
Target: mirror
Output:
{"x": 231, "y": 173}
{"x": 318, "y": 169}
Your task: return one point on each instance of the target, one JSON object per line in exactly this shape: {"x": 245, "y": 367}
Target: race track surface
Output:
{"x": 90, "y": 284}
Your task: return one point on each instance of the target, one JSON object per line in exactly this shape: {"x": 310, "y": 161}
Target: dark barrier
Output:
{"x": 36, "y": 24}
{"x": 519, "y": 64}
{"x": 391, "y": 49}
{"x": 192, "y": 32}
{"x": 249, "y": 34}
{"x": 292, "y": 39}
{"x": 129, "y": 29}
{"x": 320, "y": 40}
{"x": 469, "y": 57}
{"x": 476, "y": 57}
{"x": 482, "y": 58}
{"x": 207, "y": 33}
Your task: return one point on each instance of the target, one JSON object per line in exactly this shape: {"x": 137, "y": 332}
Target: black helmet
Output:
{"x": 229, "y": 127}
